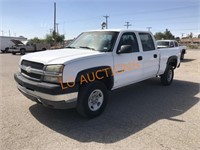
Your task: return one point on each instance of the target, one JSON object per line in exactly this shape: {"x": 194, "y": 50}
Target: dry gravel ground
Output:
{"x": 145, "y": 115}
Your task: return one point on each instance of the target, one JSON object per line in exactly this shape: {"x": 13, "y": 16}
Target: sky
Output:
{"x": 34, "y": 18}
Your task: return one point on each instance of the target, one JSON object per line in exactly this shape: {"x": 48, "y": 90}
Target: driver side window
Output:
{"x": 129, "y": 39}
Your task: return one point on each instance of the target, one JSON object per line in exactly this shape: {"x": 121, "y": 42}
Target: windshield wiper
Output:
{"x": 70, "y": 47}
{"x": 86, "y": 47}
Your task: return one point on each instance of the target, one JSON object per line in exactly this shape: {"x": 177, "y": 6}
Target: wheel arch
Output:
{"x": 183, "y": 51}
{"x": 22, "y": 48}
{"x": 104, "y": 72}
{"x": 172, "y": 61}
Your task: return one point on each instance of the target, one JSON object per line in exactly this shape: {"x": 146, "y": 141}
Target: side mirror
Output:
{"x": 125, "y": 49}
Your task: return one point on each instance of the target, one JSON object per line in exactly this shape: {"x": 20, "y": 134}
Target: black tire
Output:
{"x": 14, "y": 53}
{"x": 3, "y": 51}
{"x": 182, "y": 56}
{"x": 22, "y": 51}
{"x": 91, "y": 105}
{"x": 6, "y": 50}
{"x": 167, "y": 77}
{"x": 44, "y": 49}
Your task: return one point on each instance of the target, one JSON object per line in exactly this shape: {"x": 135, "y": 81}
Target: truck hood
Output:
{"x": 17, "y": 42}
{"x": 60, "y": 56}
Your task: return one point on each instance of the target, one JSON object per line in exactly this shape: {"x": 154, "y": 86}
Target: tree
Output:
{"x": 191, "y": 35}
{"x": 177, "y": 39}
{"x": 60, "y": 38}
{"x": 49, "y": 39}
{"x": 159, "y": 36}
{"x": 36, "y": 40}
{"x": 168, "y": 35}
{"x": 54, "y": 38}
{"x": 165, "y": 35}
{"x": 199, "y": 36}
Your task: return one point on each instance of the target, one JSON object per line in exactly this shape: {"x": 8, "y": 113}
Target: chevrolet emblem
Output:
{"x": 28, "y": 69}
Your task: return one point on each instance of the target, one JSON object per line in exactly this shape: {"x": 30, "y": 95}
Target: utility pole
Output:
{"x": 54, "y": 31}
{"x": 57, "y": 26}
{"x": 2, "y": 32}
{"x": 9, "y": 32}
{"x": 127, "y": 24}
{"x": 55, "y": 17}
{"x": 106, "y": 20}
{"x": 149, "y": 28}
{"x": 15, "y": 34}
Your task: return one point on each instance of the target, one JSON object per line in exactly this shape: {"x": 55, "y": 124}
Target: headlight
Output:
{"x": 54, "y": 68}
{"x": 53, "y": 73}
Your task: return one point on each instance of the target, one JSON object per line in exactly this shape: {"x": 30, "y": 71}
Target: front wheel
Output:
{"x": 6, "y": 50}
{"x": 92, "y": 99}
{"x": 22, "y": 51}
{"x": 167, "y": 77}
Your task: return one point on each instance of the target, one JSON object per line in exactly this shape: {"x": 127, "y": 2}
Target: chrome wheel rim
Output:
{"x": 169, "y": 76}
{"x": 95, "y": 100}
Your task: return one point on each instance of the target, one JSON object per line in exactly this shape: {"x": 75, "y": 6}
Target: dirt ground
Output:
{"x": 145, "y": 115}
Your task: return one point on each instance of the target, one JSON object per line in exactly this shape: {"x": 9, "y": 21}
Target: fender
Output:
{"x": 172, "y": 60}
{"x": 101, "y": 73}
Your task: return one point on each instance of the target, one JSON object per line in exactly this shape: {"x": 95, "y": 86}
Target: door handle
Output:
{"x": 139, "y": 58}
{"x": 155, "y": 56}
{"x": 119, "y": 71}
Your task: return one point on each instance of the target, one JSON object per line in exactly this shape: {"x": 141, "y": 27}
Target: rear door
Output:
{"x": 150, "y": 55}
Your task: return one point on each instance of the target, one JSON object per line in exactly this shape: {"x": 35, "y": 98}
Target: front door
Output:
{"x": 128, "y": 65}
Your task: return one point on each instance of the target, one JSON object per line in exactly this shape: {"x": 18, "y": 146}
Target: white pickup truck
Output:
{"x": 96, "y": 62}
{"x": 171, "y": 44}
{"x": 22, "y": 48}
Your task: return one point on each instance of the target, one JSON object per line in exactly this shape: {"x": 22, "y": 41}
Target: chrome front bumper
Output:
{"x": 64, "y": 101}
{"x": 66, "y": 97}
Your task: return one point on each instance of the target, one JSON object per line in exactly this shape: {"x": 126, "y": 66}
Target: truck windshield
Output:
{"x": 102, "y": 41}
{"x": 163, "y": 43}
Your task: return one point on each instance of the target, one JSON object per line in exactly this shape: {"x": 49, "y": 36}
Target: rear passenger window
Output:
{"x": 147, "y": 42}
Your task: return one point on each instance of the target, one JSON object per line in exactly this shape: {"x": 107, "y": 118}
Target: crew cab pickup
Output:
{"x": 171, "y": 44}
{"x": 96, "y": 62}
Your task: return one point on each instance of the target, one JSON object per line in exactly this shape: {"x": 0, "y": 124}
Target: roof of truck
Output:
{"x": 118, "y": 30}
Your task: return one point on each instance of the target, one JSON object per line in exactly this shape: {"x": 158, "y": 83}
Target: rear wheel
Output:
{"x": 92, "y": 99}
{"x": 182, "y": 56}
{"x": 167, "y": 77}
{"x": 22, "y": 51}
{"x": 14, "y": 53}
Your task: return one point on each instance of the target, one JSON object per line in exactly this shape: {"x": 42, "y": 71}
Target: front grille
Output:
{"x": 33, "y": 65}
{"x": 32, "y": 75}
